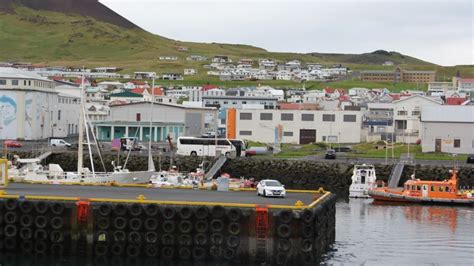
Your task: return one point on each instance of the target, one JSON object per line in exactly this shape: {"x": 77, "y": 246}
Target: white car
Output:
{"x": 271, "y": 188}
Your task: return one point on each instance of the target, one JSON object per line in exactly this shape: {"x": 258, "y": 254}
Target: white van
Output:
{"x": 59, "y": 143}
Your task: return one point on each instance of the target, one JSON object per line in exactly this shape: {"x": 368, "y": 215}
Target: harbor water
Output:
{"x": 375, "y": 234}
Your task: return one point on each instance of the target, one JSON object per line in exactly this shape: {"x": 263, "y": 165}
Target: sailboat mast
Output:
{"x": 151, "y": 164}
{"x": 81, "y": 129}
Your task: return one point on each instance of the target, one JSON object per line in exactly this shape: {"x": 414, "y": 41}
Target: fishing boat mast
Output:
{"x": 81, "y": 128}
{"x": 151, "y": 164}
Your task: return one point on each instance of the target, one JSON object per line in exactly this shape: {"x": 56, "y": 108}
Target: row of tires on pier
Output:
{"x": 168, "y": 232}
{"x": 150, "y": 232}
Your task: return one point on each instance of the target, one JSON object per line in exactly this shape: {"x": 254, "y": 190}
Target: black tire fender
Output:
{"x": 184, "y": 253}
{"x": 57, "y": 208}
{"x": 10, "y": 230}
{"x": 105, "y": 209}
{"x": 234, "y": 214}
{"x": 200, "y": 239}
{"x": 151, "y": 251}
{"x": 185, "y": 240}
{"x": 201, "y": 226}
{"x": 119, "y": 236}
{"x": 134, "y": 237}
{"x": 167, "y": 253}
{"x": 218, "y": 211}
{"x": 217, "y": 225}
{"x": 25, "y": 233}
{"x": 26, "y": 206}
{"x": 168, "y": 213}
{"x": 56, "y": 236}
{"x": 101, "y": 249}
{"x": 135, "y": 209}
{"x": 168, "y": 226}
{"x": 283, "y": 230}
{"x": 11, "y": 204}
{"x": 285, "y": 216}
{"x": 185, "y": 226}
{"x": 229, "y": 254}
{"x": 217, "y": 239}
{"x": 151, "y": 237}
{"x": 202, "y": 212}
{"x": 41, "y": 207}
{"x": 167, "y": 239}
{"x": 103, "y": 223}
{"x": 150, "y": 224}
{"x": 307, "y": 215}
{"x": 120, "y": 209}
{"x": 41, "y": 221}
{"x": 135, "y": 224}
{"x": 10, "y": 217}
{"x": 284, "y": 244}
{"x": 117, "y": 249}
{"x": 41, "y": 247}
{"x": 199, "y": 253}
{"x": 26, "y": 220}
{"x": 133, "y": 251}
{"x": 185, "y": 212}
{"x": 233, "y": 228}
{"x": 120, "y": 223}
{"x": 57, "y": 223}
{"x": 40, "y": 235}
{"x": 151, "y": 209}
{"x": 233, "y": 241}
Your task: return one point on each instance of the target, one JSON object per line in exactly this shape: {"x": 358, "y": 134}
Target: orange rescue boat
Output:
{"x": 431, "y": 192}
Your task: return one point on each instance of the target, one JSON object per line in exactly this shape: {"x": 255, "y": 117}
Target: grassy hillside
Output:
{"x": 55, "y": 38}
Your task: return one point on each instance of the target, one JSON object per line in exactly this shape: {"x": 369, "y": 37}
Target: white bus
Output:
{"x": 207, "y": 146}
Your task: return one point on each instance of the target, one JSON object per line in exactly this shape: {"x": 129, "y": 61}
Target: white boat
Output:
{"x": 363, "y": 179}
{"x": 33, "y": 171}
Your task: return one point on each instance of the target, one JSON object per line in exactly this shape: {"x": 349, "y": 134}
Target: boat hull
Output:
{"x": 387, "y": 196}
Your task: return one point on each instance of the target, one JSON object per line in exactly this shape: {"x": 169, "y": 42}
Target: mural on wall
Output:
{"x": 29, "y": 115}
{"x": 8, "y": 109}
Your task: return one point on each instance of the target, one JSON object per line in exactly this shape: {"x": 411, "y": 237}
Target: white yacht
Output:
{"x": 363, "y": 179}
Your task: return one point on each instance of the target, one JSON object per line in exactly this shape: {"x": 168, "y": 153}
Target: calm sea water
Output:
{"x": 370, "y": 234}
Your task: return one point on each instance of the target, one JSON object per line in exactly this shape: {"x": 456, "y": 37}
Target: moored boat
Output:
{"x": 363, "y": 179}
{"x": 422, "y": 191}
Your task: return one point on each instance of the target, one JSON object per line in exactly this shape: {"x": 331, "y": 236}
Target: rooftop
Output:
{"x": 448, "y": 113}
{"x": 14, "y": 73}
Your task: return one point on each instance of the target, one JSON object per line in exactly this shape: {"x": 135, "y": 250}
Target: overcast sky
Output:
{"x": 441, "y": 32}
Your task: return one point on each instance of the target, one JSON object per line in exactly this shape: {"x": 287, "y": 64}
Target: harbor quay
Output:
{"x": 106, "y": 224}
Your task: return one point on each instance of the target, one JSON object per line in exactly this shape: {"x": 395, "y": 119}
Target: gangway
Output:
{"x": 44, "y": 155}
{"x": 396, "y": 174}
{"x": 216, "y": 167}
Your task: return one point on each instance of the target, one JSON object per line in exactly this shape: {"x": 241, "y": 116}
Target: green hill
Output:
{"x": 85, "y": 32}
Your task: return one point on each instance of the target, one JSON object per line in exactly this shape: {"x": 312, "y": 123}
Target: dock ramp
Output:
{"x": 395, "y": 175}
{"x": 45, "y": 155}
{"x": 216, "y": 167}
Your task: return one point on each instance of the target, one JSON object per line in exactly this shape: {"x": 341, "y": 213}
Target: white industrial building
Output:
{"x": 447, "y": 128}
{"x": 31, "y": 108}
{"x": 133, "y": 120}
{"x": 298, "y": 126}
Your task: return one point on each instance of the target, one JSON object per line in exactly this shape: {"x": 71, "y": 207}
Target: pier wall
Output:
{"x": 109, "y": 233}
{"x": 295, "y": 174}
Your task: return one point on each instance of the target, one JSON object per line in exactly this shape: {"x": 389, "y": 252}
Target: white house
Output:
{"x": 168, "y": 57}
{"x": 406, "y": 117}
{"x": 190, "y": 71}
{"x": 447, "y": 128}
{"x": 172, "y": 76}
{"x": 144, "y": 75}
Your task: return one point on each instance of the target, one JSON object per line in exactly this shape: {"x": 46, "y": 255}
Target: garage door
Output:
{"x": 307, "y": 136}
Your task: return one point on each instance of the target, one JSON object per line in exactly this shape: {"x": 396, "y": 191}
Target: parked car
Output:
{"x": 330, "y": 154}
{"x": 12, "y": 144}
{"x": 271, "y": 188}
{"x": 59, "y": 143}
{"x": 470, "y": 158}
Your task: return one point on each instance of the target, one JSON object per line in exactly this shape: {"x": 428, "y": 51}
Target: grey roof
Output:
{"x": 14, "y": 73}
{"x": 448, "y": 113}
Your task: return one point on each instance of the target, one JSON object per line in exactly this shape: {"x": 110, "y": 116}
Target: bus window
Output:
{"x": 432, "y": 188}
{"x": 441, "y": 189}
{"x": 413, "y": 187}
{"x": 447, "y": 189}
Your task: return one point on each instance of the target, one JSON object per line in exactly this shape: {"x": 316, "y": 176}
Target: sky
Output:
{"x": 440, "y": 32}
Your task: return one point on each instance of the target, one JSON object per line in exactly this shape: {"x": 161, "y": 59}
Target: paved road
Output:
{"x": 154, "y": 194}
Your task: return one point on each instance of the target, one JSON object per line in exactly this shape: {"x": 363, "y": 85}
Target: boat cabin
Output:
{"x": 432, "y": 189}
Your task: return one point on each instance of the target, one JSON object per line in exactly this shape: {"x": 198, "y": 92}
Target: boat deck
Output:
{"x": 157, "y": 194}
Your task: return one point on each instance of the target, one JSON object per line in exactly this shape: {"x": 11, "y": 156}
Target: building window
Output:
{"x": 329, "y": 118}
{"x": 402, "y": 112}
{"x": 3, "y": 82}
{"x": 245, "y": 133}
{"x": 139, "y": 117}
{"x": 15, "y": 82}
{"x": 245, "y": 116}
{"x": 288, "y": 134}
{"x": 350, "y": 118}
{"x": 457, "y": 143}
{"x": 307, "y": 117}
{"x": 415, "y": 113}
{"x": 286, "y": 117}
{"x": 29, "y": 82}
{"x": 59, "y": 115}
{"x": 266, "y": 116}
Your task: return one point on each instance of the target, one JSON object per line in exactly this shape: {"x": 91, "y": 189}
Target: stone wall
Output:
{"x": 295, "y": 174}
